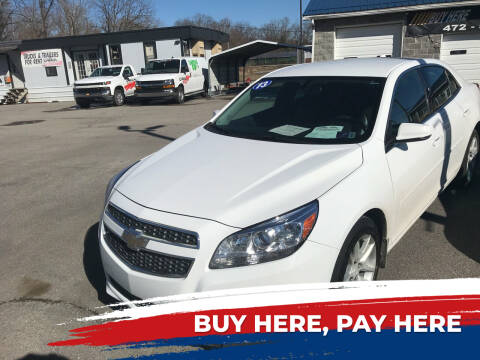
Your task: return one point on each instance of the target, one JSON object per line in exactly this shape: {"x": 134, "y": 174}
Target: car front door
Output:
{"x": 442, "y": 89}
{"x": 415, "y": 167}
{"x": 128, "y": 81}
{"x": 186, "y": 77}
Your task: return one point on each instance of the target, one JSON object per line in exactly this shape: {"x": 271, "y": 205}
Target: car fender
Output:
{"x": 367, "y": 188}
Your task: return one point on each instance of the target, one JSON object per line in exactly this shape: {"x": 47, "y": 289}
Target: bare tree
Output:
{"x": 33, "y": 18}
{"x": 72, "y": 17}
{"x": 5, "y": 20}
{"x": 118, "y": 15}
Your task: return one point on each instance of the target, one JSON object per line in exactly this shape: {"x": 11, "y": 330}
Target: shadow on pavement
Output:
{"x": 43, "y": 357}
{"x": 147, "y": 131}
{"x": 462, "y": 220}
{"x": 92, "y": 263}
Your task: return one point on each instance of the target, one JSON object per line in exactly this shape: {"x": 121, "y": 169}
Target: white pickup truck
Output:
{"x": 172, "y": 78}
{"x": 106, "y": 84}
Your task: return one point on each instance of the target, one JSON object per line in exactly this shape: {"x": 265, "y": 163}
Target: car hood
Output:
{"x": 94, "y": 80}
{"x": 156, "y": 77}
{"x": 235, "y": 181}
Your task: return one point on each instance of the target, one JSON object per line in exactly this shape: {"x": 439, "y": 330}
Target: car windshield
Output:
{"x": 106, "y": 71}
{"x": 163, "y": 67}
{"x": 303, "y": 110}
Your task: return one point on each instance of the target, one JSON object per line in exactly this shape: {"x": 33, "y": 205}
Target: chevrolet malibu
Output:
{"x": 312, "y": 174}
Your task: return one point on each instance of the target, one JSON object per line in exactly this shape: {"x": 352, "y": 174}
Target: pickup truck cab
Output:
{"x": 172, "y": 78}
{"x": 106, "y": 84}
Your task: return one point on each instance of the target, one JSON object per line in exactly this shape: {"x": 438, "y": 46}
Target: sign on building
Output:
{"x": 42, "y": 58}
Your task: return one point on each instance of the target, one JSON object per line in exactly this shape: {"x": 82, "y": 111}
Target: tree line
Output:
{"x": 31, "y": 19}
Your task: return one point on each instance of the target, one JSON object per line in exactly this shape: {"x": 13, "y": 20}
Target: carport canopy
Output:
{"x": 224, "y": 66}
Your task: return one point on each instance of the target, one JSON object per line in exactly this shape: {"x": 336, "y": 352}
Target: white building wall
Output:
{"x": 169, "y": 48}
{"x": 132, "y": 54}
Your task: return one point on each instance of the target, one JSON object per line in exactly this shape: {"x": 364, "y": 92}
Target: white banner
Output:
{"x": 42, "y": 58}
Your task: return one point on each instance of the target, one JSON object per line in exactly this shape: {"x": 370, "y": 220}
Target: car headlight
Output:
{"x": 271, "y": 240}
{"x": 115, "y": 179}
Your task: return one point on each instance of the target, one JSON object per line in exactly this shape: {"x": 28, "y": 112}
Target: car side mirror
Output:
{"x": 409, "y": 132}
{"x": 142, "y": 71}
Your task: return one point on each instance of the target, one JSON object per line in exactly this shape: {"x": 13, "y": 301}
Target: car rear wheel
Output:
{"x": 118, "y": 97}
{"x": 470, "y": 160}
{"x": 180, "y": 95}
{"x": 359, "y": 257}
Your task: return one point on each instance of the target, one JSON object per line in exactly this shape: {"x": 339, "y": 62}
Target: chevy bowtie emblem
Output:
{"x": 134, "y": 239}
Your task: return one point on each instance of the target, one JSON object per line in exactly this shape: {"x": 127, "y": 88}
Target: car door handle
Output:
{"x": 466, "y": 112}
{"x": 436, "y": 141}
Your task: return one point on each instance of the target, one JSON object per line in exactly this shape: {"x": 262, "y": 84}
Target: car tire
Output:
{"x": 180, "y": 95}
{"x": 118, "y": 97}
{"x": 82, "y": 104}
{"x": 470, "y": 161}
{"x": 359, "y": 258}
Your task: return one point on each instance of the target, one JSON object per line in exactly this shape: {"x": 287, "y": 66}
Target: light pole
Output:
{"x": 300, "y": 39}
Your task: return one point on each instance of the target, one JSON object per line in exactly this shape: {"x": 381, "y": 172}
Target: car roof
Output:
{"x": 368, "y": 67}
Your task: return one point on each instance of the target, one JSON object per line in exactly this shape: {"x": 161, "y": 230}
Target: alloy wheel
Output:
{"x": 472, "y": 158}
{"x": 362, "y": 260}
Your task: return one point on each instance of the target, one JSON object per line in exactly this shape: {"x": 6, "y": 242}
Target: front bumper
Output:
{"x": 93, "y": 94}
{"x": 311, "y": 263}
{"x": 155, "y": 94}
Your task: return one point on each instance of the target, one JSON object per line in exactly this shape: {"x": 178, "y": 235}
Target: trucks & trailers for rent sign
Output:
{"x": 42, "y": 58}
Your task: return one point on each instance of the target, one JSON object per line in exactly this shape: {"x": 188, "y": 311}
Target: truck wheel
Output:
{"x": 180, "y": 95}
{"x": 470, "y": 161}
{"x": 82, "y": 104}
{"x": 359, "y": 258}
{"x": 118, "y": 97}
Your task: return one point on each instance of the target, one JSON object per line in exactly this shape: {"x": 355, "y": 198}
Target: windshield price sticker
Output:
{"x": 325, "y": 132}
{"x": 262, "y": 85}
{"x": 289, "y": 130}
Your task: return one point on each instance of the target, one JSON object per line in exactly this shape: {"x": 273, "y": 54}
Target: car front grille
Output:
{"x": 90, "y": 90}
{"x": 147, "y": 261}
{"x": 160, "y": 232}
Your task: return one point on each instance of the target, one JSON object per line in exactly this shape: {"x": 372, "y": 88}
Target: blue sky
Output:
{"x": 256, "y": 12}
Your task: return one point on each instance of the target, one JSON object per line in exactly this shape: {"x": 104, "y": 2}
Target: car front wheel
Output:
{"x": 118, "y": 97}
{"x": 359, "y": 257}
{"x": 180, "y": 95}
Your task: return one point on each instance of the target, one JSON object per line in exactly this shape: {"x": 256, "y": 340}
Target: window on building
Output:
{"x": 116, "y": 54}
{"x": 150, "y": 51}
{"x": 438, "y": 86}
{"x": 51, "y": 71}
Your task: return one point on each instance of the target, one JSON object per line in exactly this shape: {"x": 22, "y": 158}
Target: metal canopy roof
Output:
{"x": 242, "y": 53}
{"x": 325, "y": 7}
{"x": 6, "y": 46}
{"x": 121, "y": 37}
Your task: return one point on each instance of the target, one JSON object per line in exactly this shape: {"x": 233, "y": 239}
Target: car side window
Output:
{"x": 127, "y": 71}
{"x": 409, "y": 102}
{"x": 439, "y": 91}
{"x": 454, "y": 86}
{"x": 184, "y": 67}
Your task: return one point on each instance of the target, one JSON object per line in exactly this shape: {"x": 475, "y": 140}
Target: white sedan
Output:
{"x": 312, "y": 174}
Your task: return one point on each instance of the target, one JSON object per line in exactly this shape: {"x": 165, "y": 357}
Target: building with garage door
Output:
{"x": 441, "y": 29}
{"x": 41, "y": 70}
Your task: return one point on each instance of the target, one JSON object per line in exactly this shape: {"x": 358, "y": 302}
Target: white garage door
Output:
{"x": 462, "y": 52}
{"x": 368, "y": 41}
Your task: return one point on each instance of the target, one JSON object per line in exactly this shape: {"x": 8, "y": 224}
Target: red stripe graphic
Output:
{"x": 182, "y": 325}
{"x": 130, "y": 85}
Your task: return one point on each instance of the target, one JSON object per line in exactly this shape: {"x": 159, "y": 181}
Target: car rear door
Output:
{"x": 415, "y": 167}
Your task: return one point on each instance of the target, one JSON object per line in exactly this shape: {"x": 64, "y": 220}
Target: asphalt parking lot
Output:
{"x": 55, "y": 163}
